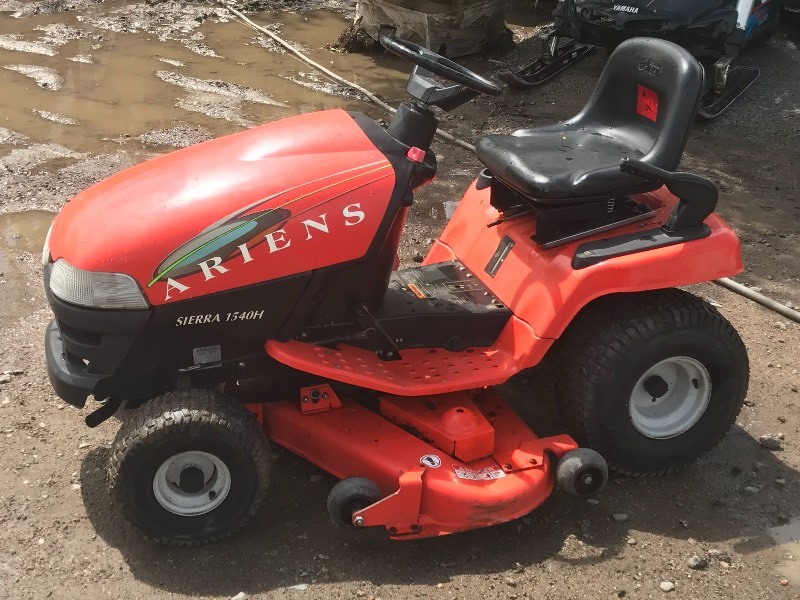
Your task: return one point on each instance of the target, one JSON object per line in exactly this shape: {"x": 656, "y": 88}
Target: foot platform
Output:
{"x": 419, "y": 371}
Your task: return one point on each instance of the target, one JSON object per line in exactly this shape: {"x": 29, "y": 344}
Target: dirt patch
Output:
{"x": 21, "y": 239}
{"x": 55, "y": 117}
{"x": 15, "y": 42}
{"x": 166, "y": 20}
{"x": 44, "y": 7}
{"x": 10, "y": 137}
{"x": 355, "y": 39}
{"x": 45, "y": 77}
{"x": 23, "y": 160}
{"x": 180, "y": 136}
{"x": 219, "y": 87}
{"x": 82, "y": 58}
{"x": 312, "y": 80}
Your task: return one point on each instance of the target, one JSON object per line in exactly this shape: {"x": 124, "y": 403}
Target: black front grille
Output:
{"x": 80, "y": 337}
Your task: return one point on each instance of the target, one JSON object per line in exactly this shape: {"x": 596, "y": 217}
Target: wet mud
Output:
{"x": 21, "y": 238}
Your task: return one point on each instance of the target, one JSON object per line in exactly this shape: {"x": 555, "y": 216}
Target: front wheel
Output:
{"x": 189, "y": 467}
{"x": 651, "y": 380}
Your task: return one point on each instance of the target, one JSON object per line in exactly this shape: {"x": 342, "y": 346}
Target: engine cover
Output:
{"x": 287, "y": 197}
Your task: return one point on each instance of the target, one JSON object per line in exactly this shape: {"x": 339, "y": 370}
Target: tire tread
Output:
{"x": 193, "y": 409}
{"x": 609, "y": 329}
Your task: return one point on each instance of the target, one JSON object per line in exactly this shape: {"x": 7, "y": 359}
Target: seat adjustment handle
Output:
{"x": 697, "y": 195}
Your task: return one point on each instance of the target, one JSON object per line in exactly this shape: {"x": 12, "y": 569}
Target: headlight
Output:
{"x": 46, "y": 247}
{"x": 97, "y": 290}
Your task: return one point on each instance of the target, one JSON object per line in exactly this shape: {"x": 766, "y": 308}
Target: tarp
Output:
{"x": 452, "y": 28}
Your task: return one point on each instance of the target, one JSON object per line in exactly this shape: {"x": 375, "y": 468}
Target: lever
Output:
{"x": 697, "y": 195}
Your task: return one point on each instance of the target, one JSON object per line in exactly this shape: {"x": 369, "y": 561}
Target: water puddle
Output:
{"x": 788, "y": 539}
{"x": 98, "y": 79}
{"x": 21, "y": 233}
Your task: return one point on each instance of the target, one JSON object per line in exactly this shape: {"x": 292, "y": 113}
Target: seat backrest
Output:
{"x": 647, "y": 94}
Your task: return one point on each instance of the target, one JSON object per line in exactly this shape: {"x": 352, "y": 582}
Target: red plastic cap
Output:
{"x": 415, "y": 154}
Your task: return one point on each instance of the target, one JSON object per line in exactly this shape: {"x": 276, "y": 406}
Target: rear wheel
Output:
{"x": 651, "y": 380}
{"x": 189, "y": 467}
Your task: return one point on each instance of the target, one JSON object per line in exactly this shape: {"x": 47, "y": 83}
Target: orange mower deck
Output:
{"x": 470, "y": 462}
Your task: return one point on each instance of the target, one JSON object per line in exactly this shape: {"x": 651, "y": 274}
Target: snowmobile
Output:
{"x": 715, "y": 31}
{"x": 244, "y": 290}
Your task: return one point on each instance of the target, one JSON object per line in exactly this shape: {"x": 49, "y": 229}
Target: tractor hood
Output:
{"x": 279, "y": 199}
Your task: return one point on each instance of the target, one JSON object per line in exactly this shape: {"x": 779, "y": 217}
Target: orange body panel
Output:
{"x": 541, "y": 287}
{"x": 449, "y": 422}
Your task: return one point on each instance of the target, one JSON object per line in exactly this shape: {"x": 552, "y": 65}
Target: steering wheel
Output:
{"x": 439, "y": 65}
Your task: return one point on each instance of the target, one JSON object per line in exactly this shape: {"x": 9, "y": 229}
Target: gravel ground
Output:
{"x": 721, "y": 529}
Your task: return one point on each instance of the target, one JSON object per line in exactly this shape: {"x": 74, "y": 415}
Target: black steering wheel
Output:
{"x": 439, "y": 65}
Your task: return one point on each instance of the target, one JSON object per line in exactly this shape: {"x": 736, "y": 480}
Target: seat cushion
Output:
{"x": 552, "y": 165}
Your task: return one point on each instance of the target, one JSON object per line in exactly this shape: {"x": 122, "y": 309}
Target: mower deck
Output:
{"x": 443, "y": 463}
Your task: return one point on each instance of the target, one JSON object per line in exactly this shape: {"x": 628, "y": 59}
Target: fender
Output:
{"x": 541, "y": 287}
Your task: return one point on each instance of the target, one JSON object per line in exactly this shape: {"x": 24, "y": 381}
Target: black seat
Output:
{"x": 642, "y": 108}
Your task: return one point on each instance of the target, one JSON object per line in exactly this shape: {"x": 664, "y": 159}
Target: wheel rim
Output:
{"x": 588, "y": 481}
{"x": 191, "y": 483}
{"x": 670, "y": 397}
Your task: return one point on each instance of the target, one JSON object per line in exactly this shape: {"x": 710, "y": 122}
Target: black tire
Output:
{"x": 582, "y": 473}
{"x": 613, "y": 342}
{"x": 196, "y": 421}
{"x": 348, "y": 497}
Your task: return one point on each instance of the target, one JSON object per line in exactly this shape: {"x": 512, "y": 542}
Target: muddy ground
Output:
{"x": 88, "y": 88}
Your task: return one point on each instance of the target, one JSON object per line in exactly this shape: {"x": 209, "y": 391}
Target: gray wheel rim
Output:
{"x": 683, "y": 391}
{"x": 205, "y": 494}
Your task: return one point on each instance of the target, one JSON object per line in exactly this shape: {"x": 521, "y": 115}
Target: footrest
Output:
{"x": 739, "y": 79}
{"x": 419, "y": 371}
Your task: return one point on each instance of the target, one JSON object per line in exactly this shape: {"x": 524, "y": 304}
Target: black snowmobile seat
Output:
{"x": 642, "y": 107}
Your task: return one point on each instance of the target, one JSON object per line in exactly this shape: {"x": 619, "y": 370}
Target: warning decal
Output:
{"x": 484, "y": 474}
{"x": 430, "y": 460}
{"x": 647, "y": 103}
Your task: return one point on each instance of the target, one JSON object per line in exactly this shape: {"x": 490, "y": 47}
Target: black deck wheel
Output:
{"x": 189, "y": 467}
{"x": 651, "y": 380}
{"x": 581, "y": 473}
{"x": 348, "y": 497}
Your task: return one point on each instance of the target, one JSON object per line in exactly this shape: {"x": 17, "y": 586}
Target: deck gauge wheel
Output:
{"x": 348, "y": 497}
{"x": 581, "y": 473}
